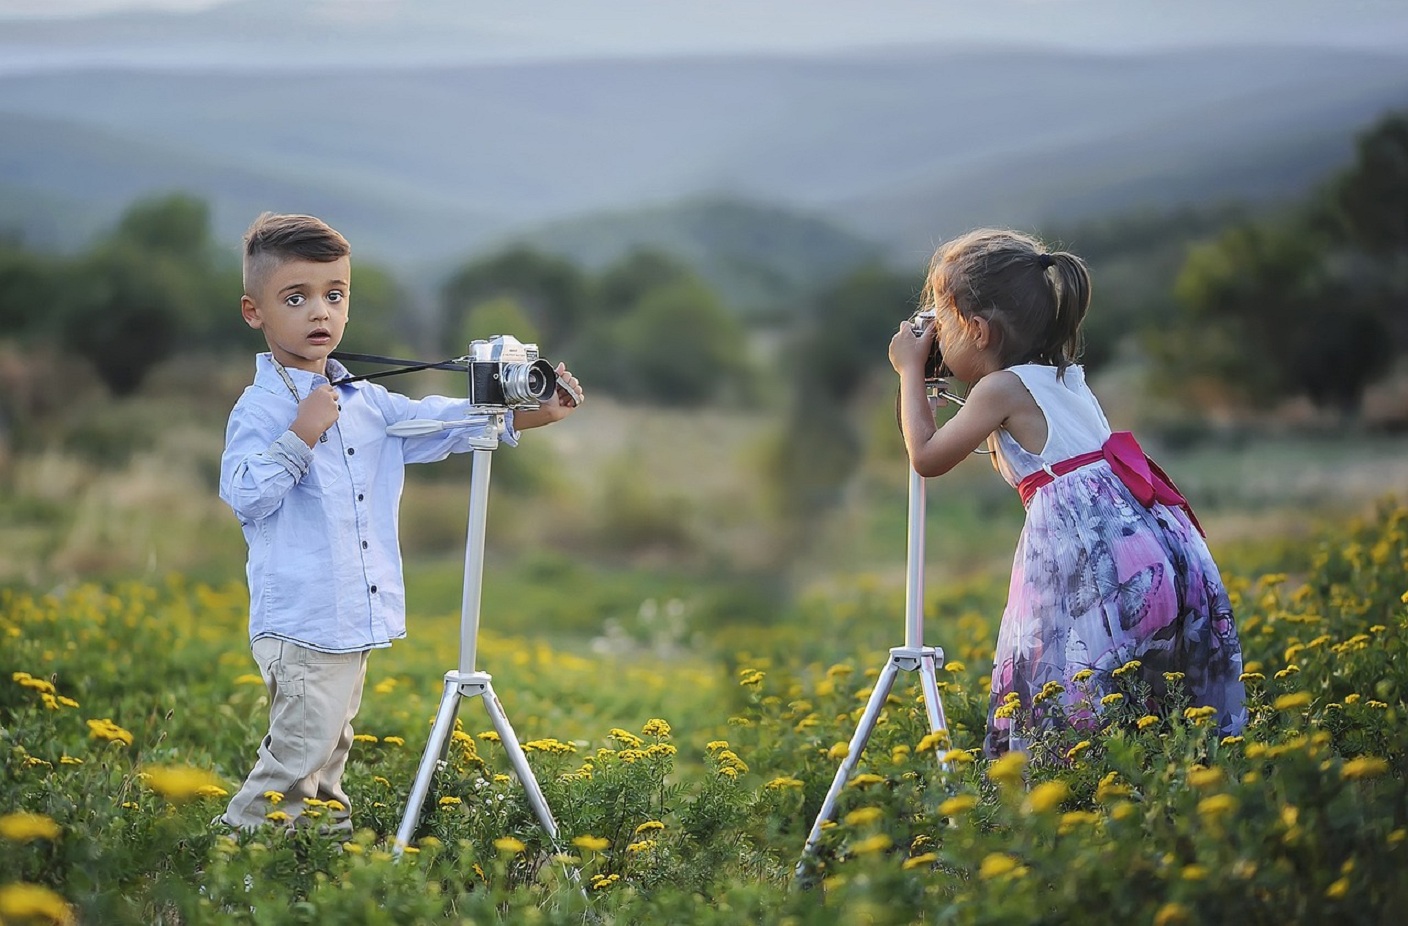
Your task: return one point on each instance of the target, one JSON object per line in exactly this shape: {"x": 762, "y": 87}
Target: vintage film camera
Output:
{"x": 505, "y": 372}
{"x": 934, "y": 368}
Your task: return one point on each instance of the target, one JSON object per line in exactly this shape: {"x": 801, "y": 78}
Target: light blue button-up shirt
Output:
{"x": 324, "y": 565}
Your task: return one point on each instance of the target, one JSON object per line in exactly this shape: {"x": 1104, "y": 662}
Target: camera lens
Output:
{"x": 528, "y": 383}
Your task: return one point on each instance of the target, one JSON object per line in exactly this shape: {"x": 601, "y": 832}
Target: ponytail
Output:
{"x": 1034, "y": 300}
{"x": 1070, "y": 282}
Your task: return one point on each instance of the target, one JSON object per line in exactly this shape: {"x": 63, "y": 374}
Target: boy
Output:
{"x": 316, "y": 482}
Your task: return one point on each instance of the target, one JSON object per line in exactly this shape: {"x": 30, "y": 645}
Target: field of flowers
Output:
{"x": 684, "y": 787}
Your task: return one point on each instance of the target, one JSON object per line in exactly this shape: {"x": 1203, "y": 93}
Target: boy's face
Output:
{"x": 301, "y": 306}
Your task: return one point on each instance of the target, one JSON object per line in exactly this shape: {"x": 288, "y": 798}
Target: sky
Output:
{"x": 468, "y": 30}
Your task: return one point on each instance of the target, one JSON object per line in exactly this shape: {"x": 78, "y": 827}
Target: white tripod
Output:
{"x": 914, "y": 655}
{"x": 466, "y": 681}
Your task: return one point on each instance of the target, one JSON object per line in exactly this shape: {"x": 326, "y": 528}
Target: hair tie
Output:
{"x": 1045, "y": 260}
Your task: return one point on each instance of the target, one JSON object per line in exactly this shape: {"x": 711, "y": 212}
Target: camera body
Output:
{"x": 933, "y": 366}
{"x": 505, "y": 372}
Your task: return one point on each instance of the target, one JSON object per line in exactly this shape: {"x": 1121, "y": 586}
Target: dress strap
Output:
{"x": 1141, "y": 475}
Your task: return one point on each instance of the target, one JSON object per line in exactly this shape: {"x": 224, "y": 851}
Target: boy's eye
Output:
{"x": 336, "y": 296}
{"x": 295, "y": 300}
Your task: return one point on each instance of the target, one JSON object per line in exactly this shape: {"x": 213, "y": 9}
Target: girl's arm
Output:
{"x": 935, "y": 450}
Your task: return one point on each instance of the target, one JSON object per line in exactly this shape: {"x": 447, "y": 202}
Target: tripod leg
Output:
{"x": 430, "y": 761}
{"x": 519, "y": 761}
{"x": 883, "y": 685}
{"x": 928, "y": 679}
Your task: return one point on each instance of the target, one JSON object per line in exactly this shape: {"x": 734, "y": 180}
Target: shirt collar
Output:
{"x": 267, "y": 375}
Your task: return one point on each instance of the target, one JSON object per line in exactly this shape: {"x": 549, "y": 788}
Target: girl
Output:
{"x": 1111, "y": 567}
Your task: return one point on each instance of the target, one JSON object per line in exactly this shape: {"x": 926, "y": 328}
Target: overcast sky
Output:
{"x": 488, "y": 29}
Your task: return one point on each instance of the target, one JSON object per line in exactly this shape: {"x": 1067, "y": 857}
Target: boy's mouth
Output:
{"x": 320, "y": 336}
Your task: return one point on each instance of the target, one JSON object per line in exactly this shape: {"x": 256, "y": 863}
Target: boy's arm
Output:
{"x": 262, "y": 462}
{"x": 434, "y": 447}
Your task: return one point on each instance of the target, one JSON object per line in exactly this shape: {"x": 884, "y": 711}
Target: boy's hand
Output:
{"x": 569, "y": 391}
{"x": 564, "y": 402}
{"x": 908, "y": 350}
{"x": 316, "y": 414}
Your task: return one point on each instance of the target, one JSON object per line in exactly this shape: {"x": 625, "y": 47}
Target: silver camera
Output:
{"x": 934, "y": 368}
{"x": 505, "y": 372}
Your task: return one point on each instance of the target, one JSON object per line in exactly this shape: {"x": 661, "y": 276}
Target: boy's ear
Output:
{"x": 250, "y": 311}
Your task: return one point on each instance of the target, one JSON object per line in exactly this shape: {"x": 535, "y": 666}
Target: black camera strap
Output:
{"x": 404, "y": 366}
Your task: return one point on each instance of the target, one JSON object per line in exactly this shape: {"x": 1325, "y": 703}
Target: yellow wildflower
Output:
{"x": 1131, "y": 666}
{"x": 1008, "y": 769}
{"x": 864, "y": 816}
{"x": 592, "y": 843}
{"x": 1205, "y": 777}
{"x": 179, "y": 782}
{"x": 649, "y": 826}
{"x": 1046, "y": 797}
{"x": 919, "y": 861}
{"x": 105, "y": 729}
{"x": 865, "y": 780}
{"x": 509, "y": 845}
{"x": 932, "y": 741}
{"x": 1147, "y": 721}
{"x": 879, "y": 842}
{"x": 1293, "y": 701}
{"x": 1217, "y": 805}
{"x": 997, "y": 864}
{"x": 450, "y": 800}
{"x": 23, "y": 827}
{"x": 1364, "y": 767}
{"x": 778, "y": 784}
{"x": 393, "y": 741}
{"x": 957, "y": 805}
{"x": 1073, "y": 820}
{"x": 21, "y": 902}
{"x": 656, "y": 727}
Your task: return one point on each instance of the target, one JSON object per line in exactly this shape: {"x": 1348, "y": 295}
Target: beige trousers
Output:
{"x": 313, "y": 697}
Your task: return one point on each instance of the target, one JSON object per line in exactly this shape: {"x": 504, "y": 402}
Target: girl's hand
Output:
{"x": 909, "y": 350}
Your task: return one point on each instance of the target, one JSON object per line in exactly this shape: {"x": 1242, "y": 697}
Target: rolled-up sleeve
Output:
{"x": 434, "y": 447}
{"x": 261, "y": 464}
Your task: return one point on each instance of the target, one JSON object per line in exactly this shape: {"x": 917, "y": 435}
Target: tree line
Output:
{"x": 1307, "y": 299}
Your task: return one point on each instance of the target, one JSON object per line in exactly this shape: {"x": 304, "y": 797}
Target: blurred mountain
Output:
{"x": 756, "y": 256}
{"x": 422, "y": 165}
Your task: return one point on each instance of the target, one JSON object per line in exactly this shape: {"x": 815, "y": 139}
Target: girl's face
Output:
{"x": 955, "y": 336}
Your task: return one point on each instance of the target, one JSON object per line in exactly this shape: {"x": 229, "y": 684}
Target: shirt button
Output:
{"x": 373, "y": 589}
{"x": 359, "y": 496}
{"x": 364, "y": 544}
{"x": 351, "y": 450}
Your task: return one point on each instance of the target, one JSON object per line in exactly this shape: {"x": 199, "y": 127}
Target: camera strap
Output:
{"x": 405, "y": 366}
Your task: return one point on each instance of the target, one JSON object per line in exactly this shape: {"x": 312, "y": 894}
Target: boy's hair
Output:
{"x": 274, "y": 238}
{"x": 1033, "y": 299}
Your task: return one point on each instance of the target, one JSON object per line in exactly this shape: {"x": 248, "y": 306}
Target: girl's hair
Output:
{"x": 1033, "y": 299}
